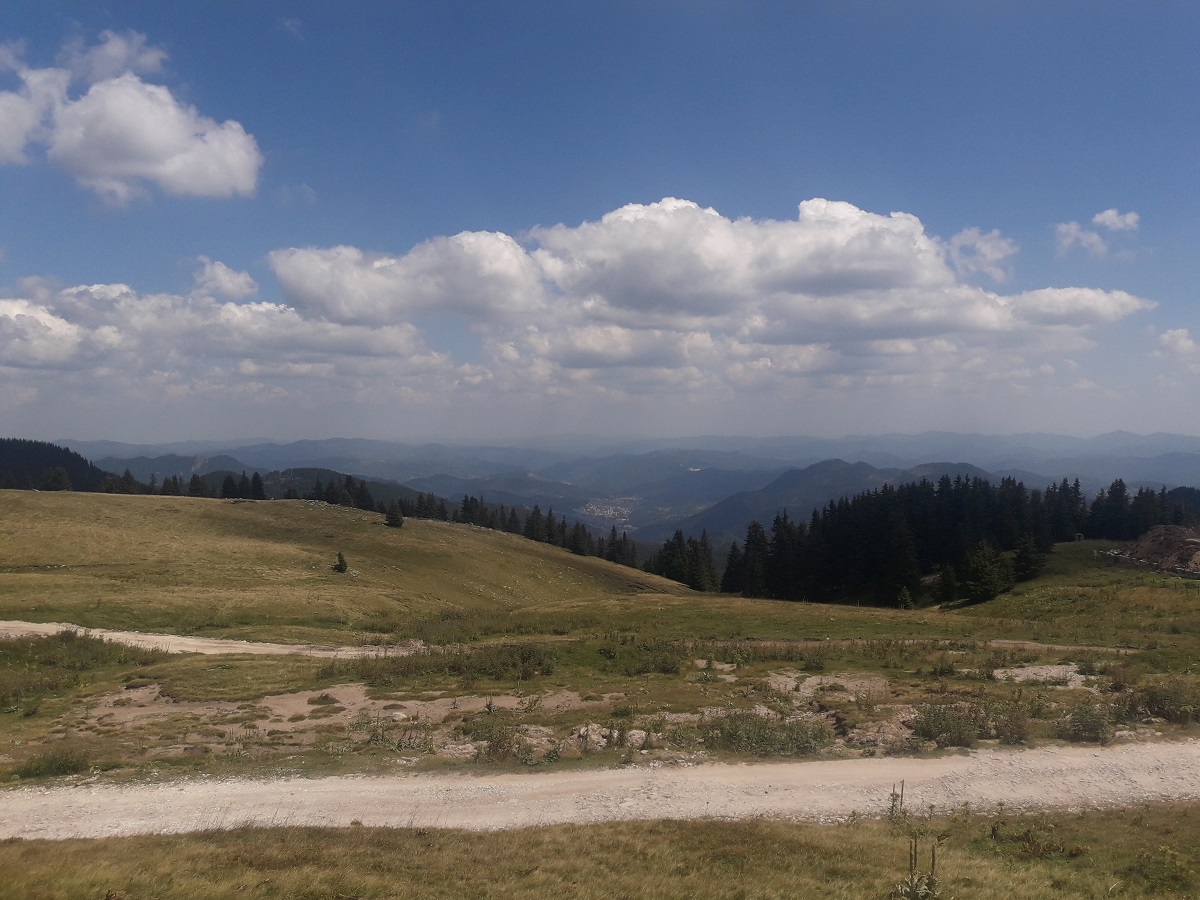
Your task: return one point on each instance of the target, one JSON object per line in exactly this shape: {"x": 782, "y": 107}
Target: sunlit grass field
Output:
{"x": 631, "y": 648}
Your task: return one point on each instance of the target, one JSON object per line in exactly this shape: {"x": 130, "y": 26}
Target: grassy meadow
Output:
{"x": 1143, "y": 852}
{"x": 524, "y": 644}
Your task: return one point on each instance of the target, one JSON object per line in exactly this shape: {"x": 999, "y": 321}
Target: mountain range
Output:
{"x": 651, "y": 487}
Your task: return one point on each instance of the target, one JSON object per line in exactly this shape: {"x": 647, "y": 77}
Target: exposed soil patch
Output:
{"x": 1171, "y": 548}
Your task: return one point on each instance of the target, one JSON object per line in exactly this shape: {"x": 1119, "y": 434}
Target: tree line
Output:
{"x": 545, "y": 527}
{"x": 961, "y": 538}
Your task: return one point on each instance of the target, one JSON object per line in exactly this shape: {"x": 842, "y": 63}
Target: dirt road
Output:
{"x": 175, "y": 643}
{"x": 1048, "y": 778}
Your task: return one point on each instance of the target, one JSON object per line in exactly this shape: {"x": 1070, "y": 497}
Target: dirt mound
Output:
{"x": 1167, "y": 547}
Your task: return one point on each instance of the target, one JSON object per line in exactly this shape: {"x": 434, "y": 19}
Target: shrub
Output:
{"x": 1174, "y": 699}
{"x": 949, "y": 724}
{"x": 1010, "y": 722}
{"x": 52, "y": 763}
{"x": 1090, "y": 722}
{"x": 749, "y": 733}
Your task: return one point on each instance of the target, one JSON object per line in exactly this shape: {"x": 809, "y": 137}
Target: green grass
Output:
{"x": 1144, "y": 852}
{"x": 262, "y": 570}
{"x": 509, "y": 617}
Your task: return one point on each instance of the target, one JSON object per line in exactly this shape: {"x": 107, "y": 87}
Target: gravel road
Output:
{"x": 1060, "y": 777}
{"x": 176, "y": 643}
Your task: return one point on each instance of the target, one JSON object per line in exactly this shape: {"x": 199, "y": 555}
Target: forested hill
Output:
{"x": 41, "y": 466}
{"x": 956, "y": 539}
{"x": 799, "y": 492}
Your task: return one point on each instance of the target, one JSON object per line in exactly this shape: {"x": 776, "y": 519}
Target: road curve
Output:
{"x": 1053, "y": 777}
{"x": 179, "y": 643}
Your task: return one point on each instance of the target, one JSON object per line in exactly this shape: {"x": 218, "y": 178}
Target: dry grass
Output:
{"x": 248, "y": 570}
{"x": 1148, "y": 852}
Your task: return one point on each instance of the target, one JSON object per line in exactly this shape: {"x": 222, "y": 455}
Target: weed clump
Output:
{"x": 498, "y": 662}
{"x": 39, "y": 667}
{"x": 1090, "y": 722}
{"x": 53, "y": 763}
{"x": 744, "y": 732}
{"x": 950, "y": 724}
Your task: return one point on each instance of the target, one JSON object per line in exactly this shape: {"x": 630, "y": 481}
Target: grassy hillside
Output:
{"x": 535, "y": 643}
{"x": 554, "y": 642}
{"x": 262, "y": 570}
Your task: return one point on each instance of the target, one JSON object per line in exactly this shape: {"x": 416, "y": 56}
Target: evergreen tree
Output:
{"x": 394, "y": 518}
{"x": 56, "y": 479}
{"x": 229, "y": 487}
{"x": 757, "y": 561}
{"x": 257, "y": 491}
{"x": 733, "y": 581}
{"x": 196, "y": 487}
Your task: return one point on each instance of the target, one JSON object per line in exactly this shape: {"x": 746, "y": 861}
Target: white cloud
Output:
{"x": 672, "y": 287}
{"x": 216, "y": 278}
{"x": 666, "y": 303}
{"x": 1072, "y": 234}
{"x": 32, "y": 336}
{"x": 116, "y": 54}
{"x": 24, "y": 112}
{"x": 972, "y": 251}
{"x": 479, "y": 274}
{"x": 123, "y": 135}
{"x": 1178, "y": 342}
{"x": 1076, "y": 306}
{"x": 1116, "y": 221}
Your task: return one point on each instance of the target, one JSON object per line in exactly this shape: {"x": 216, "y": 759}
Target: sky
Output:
{"x": 479, "y": 221}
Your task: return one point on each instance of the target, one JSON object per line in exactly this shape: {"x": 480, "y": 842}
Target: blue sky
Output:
{"x": 483, "y": 220}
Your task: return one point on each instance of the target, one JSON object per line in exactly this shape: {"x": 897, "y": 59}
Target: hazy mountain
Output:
{"x": 799, "y": 492}
{"x": 162, "y": 467}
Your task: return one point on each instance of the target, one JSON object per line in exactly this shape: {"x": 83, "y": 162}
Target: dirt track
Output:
{"x": 1053, "y": 777}
{"x": 175, "y": 643}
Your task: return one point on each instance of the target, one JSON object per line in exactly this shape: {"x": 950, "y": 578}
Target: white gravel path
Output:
{"x": 1059, "y": 777}
{"x": 176, "y": 643}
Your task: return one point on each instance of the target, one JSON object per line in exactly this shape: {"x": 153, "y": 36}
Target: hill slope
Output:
{"x": 262, "y": 570}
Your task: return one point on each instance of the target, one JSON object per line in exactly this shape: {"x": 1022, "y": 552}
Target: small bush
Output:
{"x": 53, "y": 763}
{"x": 1089, "y": 722}
{"x": 949, "y": 724}
{"x": 1010, "y": 722}
{"x": 748, "y": 733}
{"x": 1174, "y": 699}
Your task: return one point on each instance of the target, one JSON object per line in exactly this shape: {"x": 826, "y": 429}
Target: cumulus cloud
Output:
{"x": 679, "y": 293}
{"x": 123, "y": 135}
{"x": 214, "y": 277}
{"x": 1116, "y": 221}
{"x": 973, "y": 252}
{"x": 1072, "y": 234}
{"x": 666, "y": 300}
{"x": 115, "y": 54}
{"x": 1178, "y": 342}
{"x": 478, "y": 274}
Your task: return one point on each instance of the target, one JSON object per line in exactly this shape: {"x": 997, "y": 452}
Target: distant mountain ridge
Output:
{"x": 799, "y": 492}
{"x": 652, "y": 486}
